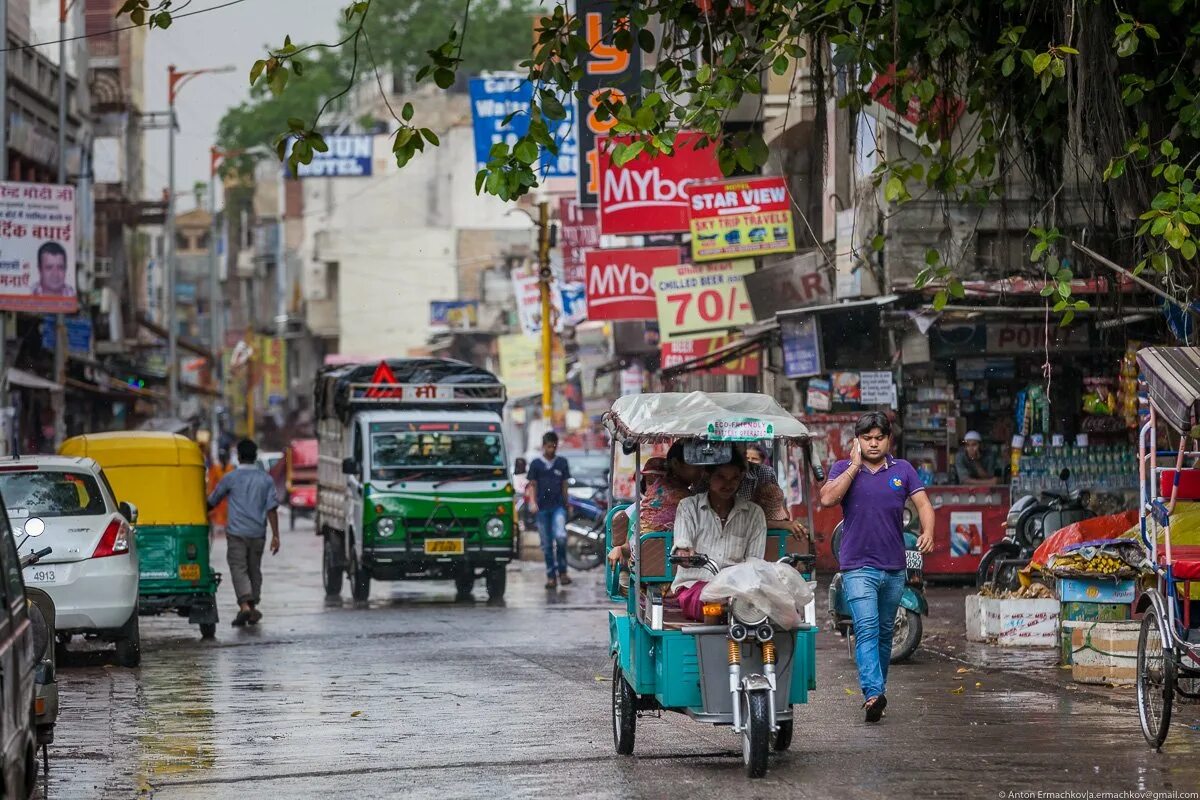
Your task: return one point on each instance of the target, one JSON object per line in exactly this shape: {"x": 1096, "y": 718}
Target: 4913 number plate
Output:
{"x": 444, "y": 547}
{"x": 189, "y": 572}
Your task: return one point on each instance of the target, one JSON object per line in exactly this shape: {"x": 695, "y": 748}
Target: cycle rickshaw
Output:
{"x": 1168, "y": 653}
{"x": 737, "y": 668}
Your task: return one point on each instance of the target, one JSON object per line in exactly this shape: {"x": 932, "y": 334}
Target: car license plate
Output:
{"x": 189, "y": 572}
{"x": 41, "y": 575}
{"x": 444, "y": 547}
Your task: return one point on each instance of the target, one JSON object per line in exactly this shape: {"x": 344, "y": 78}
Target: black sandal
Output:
{"x": 874, "y": 707}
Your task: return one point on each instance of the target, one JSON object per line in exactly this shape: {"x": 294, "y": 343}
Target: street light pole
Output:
{"x": 214, "y": 309}
{"x": 175, "y": 80}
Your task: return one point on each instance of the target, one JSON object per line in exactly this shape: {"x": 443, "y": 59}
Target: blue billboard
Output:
{"x": 348, "y": 156}
{"x": 494, "y": 98}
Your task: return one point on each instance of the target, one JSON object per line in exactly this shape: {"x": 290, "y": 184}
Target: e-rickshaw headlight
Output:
{"x": 385, "y": 527}
{"x": 494, "y": 527}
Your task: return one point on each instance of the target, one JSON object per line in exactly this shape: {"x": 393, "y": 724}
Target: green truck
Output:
{"x": 412, "y": 475}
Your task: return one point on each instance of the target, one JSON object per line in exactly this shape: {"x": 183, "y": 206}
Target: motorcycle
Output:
{"x": 41, "y": 615}
{"x": 1030, "y": 520}
{"x": 906, "y": 635}
{"x": 585, "y": 529}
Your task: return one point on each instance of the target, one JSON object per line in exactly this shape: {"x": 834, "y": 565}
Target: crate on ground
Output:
{"x": 1096, "y": 590}
{"x": 1075, "y": 611}
{"x": 1105, "y": 652}
{"x": 1023, "y": 623}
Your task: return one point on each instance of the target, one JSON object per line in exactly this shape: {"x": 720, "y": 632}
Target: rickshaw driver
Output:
{"x": 720, "y": 524}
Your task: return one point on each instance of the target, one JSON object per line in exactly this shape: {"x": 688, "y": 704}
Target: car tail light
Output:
{"x": 114, "y": 542}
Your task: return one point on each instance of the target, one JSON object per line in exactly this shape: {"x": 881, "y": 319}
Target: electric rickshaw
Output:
{"x": 162, "y": 474}
{"x": 737, "y": 668}
{"x": 1168, "y": 652}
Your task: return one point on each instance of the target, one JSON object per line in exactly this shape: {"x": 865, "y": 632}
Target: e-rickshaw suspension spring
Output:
{"x": 768, "y": 651}
{"x": 735, "y": 652}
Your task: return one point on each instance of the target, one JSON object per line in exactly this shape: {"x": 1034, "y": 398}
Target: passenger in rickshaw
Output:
{"x": 671, "y": 480}
{"x": 719, "y": 523}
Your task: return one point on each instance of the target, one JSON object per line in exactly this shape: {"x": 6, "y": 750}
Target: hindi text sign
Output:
{"x": 37, "y": 248}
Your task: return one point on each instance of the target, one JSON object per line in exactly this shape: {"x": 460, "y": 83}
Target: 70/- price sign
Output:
{"x": 696, "y": 300}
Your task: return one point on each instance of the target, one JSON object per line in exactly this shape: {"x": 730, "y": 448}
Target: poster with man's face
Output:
{"x": 38, "y": 240}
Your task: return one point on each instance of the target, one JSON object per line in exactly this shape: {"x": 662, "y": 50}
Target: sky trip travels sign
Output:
{"x": 739, "y": 217}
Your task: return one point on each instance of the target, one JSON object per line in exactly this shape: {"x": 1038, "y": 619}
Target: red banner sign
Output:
{"x": 619, "y": 282}
{"x": 649, "y": 194}
{"x": 580, "y": 230}
{"x": 676, "y": 353}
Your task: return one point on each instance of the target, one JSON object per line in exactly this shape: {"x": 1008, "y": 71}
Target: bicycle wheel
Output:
{"x": 1155, "y": 680}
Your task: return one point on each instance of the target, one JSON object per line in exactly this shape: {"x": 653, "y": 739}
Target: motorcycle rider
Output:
{"x": 872, "y": 487}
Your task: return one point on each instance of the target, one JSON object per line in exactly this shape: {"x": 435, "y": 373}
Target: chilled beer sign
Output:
{"x": 740, "y": 217}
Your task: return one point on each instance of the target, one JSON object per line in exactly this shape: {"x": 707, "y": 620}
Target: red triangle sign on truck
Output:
{"x": 384, "y": 375}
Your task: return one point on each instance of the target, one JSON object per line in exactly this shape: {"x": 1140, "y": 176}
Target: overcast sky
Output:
{"x": 234, "y": 36}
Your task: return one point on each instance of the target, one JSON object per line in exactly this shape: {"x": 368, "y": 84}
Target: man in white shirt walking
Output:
{"x": 719, "y": 524}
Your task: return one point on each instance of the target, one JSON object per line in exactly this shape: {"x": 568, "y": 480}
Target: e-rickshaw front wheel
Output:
{"x": 756, "y": 736}
{"x": 624, "y": 711}
{"x": 783, "y": 736}
{"x": 1155, "y": 680}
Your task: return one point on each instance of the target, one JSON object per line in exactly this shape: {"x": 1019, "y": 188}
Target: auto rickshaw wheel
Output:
{"x": 624, "y": 711}
{"x": 208, "y": 630}
{"x": 783, "y": 736}
{"x": 360, "y": 580}
{"x": 330, "y": 567}
{"x": 756, "y": 736}
{"x": 497, "y": 581}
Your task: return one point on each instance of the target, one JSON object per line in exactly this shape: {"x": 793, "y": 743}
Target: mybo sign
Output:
{"x": 619, "y": 282}
{"x": 747, "y": 216}
{"x": 700, "y": 299}
{"x": 650, "y": 194}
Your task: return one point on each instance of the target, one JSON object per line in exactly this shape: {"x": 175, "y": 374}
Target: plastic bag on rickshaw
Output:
{"x": 776, "y": 590}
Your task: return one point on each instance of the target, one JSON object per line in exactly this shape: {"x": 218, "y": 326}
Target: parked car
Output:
{"x": 92, "y": 573}
{"x": 18, "y": 660}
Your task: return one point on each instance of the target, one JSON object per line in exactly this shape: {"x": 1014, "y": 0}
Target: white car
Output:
{"x": 91, "y": 573}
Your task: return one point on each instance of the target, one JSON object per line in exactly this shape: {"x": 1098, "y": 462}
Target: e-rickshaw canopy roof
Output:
{"x": 718, "y": 416}
{"x": 1173, "y": 377}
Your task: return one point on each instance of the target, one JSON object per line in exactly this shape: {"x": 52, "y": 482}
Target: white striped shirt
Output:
{"x": 698, "y": 528}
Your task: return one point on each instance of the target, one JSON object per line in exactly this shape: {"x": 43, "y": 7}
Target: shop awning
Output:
{"x": 1173, "y": 377}
{"x": 845, "y": 305}
{"x": 183, "y": 342}
{"x": 730, "y": 351}
{"x": 27, "y": 380}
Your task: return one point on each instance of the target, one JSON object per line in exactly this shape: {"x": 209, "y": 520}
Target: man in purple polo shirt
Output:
{"x": 872, "y": 488}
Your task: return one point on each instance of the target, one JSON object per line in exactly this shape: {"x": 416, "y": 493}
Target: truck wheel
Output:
{"x": 330, "y": 568}
{"x": 129, "y": 644}
{"x": 497, "y": 580}
{"x": 360, "y": 580}
{"x": 464, "y": 584}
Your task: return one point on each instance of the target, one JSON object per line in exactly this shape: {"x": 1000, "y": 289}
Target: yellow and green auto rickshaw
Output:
{"x": 162, "y": 476}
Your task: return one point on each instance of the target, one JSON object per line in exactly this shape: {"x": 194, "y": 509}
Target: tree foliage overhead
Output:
{"x": 1061, "y": 93}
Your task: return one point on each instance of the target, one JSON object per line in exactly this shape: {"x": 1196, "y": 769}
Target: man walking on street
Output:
{"x": 548, "y": 481}
{"x": 252, "y": 505}
{"x": 872, "y": 488}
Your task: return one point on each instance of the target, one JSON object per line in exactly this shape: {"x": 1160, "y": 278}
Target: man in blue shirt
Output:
{"x": 547, "y": 495}
{"x": 252, "y": 505}
{"x": 872, "y": 488}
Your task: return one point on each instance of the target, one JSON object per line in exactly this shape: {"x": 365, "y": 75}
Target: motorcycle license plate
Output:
{"x": 189, "y": 572}
{"x": 41, "y": 575}
{"x": 913, "y": 560}
{"x": 444, "y": 547}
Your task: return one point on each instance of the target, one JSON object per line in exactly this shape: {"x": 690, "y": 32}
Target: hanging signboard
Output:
{"x": 348, "y": 156}
{"x": 37, "y": 248}
{"x": 695, "y": 300}
{"x": 619, "y": 281}
{"x": 801, "y": 345}
{"x": 579, "y": 230}
{"x": 681, "y": 352}
{"x": 529, "y": 303}
{"x": 606, "y": 70}
{"x": 79, "y": 334}
{"x": 739, "y": 217}
{"x": 495, "y": 98}
{"x": 943, "y": 115}
{"x": 447, "y": 315}
{"x": 795, "y": 283}
{"x": 650, "y": 194}
{"x": 520, "y": 359}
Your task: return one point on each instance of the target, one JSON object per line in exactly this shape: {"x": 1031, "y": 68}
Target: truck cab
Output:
{"x": 412, "y": 477}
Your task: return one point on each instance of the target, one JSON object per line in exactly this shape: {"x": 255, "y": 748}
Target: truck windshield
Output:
{"x": 392, "y": 453}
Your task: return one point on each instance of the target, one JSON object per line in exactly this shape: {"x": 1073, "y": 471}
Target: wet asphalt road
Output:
{"x": 416, "y": 696}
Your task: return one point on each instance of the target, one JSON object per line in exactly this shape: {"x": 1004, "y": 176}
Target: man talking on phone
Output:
{"x": 872, "y": 488}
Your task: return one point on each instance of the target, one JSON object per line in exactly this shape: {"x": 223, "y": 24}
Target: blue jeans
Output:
{"x": 552, "y": 528}
{"x": 874, "y": 597}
